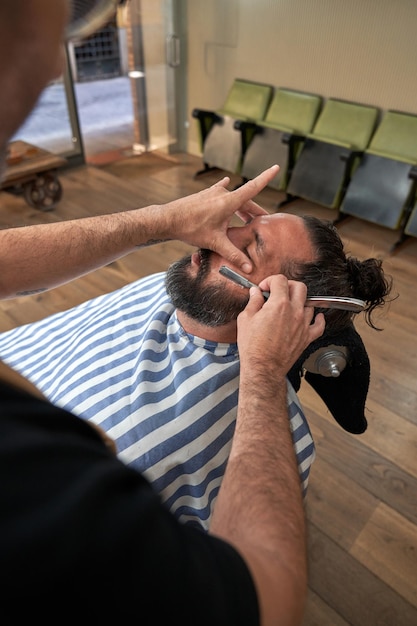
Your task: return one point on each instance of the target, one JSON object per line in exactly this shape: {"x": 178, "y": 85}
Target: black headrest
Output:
{"x": 345, "y": 394}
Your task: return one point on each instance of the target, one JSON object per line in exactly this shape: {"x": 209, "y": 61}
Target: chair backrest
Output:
{"x": 346, "y": 123}
{"x": 247, "y": 100}
{"x": 396, "y": 137}
{"x": 292, "y": 111}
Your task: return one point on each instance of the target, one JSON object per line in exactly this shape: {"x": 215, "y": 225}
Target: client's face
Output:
{"x": 271, "y": 242}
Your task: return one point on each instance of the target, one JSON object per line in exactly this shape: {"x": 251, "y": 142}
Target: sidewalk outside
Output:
{"x": 105, "y": 112}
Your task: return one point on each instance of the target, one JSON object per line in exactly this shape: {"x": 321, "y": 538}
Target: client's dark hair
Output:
{"x": 334, "y": 273}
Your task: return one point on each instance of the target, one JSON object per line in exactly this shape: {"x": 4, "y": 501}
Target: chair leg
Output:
{"x": 403, "y": 237}
{"x": 288, "y": 198}
{"x": 207, "y": 168}
{"x": 341, "y": 217}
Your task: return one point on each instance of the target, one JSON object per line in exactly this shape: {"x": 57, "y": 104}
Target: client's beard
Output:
{"x": 208, "y": 304}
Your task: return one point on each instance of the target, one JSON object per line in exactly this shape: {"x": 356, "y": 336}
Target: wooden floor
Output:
{"x": 362, "y": 500}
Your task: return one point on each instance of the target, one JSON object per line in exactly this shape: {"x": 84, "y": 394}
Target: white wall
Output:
{"x": 359, "y": 50}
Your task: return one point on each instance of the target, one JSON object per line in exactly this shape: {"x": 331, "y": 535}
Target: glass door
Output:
{"x": 53, "y": 124}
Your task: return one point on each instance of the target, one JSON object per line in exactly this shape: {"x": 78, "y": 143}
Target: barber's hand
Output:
{"x": 202, "y": 219}
{"x": 272, "y": 334}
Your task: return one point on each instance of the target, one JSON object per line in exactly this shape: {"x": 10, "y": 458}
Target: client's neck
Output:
{"x": 227, "y": 333}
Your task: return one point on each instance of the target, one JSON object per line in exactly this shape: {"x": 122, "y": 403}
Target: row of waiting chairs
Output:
{"x": 342, "y": 155}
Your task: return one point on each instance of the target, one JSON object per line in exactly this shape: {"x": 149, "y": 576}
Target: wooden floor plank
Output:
{"x": 371, "y": 471}
{"x": 328, "y": 507}
{"x": 318, "y": 613}
{"x": 352, "y": 590}
{"x": 387, "y": 546}
{"x": 393, "y": 437}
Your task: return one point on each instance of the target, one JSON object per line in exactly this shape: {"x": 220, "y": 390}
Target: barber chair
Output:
{"x": 331, "y": 153}
{"x": 224, "y": 146}
{"x": 383, "y": 188}
{"x": 279, "y": 137}
{"x": 337, "y": 367}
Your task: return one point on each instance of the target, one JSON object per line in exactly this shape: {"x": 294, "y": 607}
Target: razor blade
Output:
{"x": 322, "y": 302}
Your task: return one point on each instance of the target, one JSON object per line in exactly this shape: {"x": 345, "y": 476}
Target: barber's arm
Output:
{"x": 259, "y": 508}
{"x": 43, "y": 256}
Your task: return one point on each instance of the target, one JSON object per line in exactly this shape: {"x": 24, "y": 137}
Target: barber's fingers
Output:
{"x": 256, "y": 301}
{"x": 252, "y": 187}
{"x": 250, "y": 210}
{"x": 245, "y": 207}
{"x": 242, "y": 198}
{"x": 224, "y": 182}
{"x": 280, "y": 288}
{"x": 296, "y": 292}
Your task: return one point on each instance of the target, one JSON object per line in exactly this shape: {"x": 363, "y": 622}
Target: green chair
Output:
{"x": 279, "y": 137}
{"x": 223, "y": 146}
{"x": 331, "y": 152}
{"x": 383, "y": 188}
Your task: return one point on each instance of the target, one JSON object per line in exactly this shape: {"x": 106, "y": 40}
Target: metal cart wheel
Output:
{"x": 44, "y": 192}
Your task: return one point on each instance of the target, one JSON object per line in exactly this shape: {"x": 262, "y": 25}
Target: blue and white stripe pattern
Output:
{"x": 167, "y": 398}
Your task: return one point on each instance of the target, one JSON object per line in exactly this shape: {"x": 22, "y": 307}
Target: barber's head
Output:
{"x": 32, "y": 35}
{"x": 31, "y": 55}
{"x": 302, "y": 248}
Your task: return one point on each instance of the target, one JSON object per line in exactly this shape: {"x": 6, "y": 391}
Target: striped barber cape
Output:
{"x": 167, "y": 398}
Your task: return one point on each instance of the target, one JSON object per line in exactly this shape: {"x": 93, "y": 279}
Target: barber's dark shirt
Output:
{"x": 85, "y": 538}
